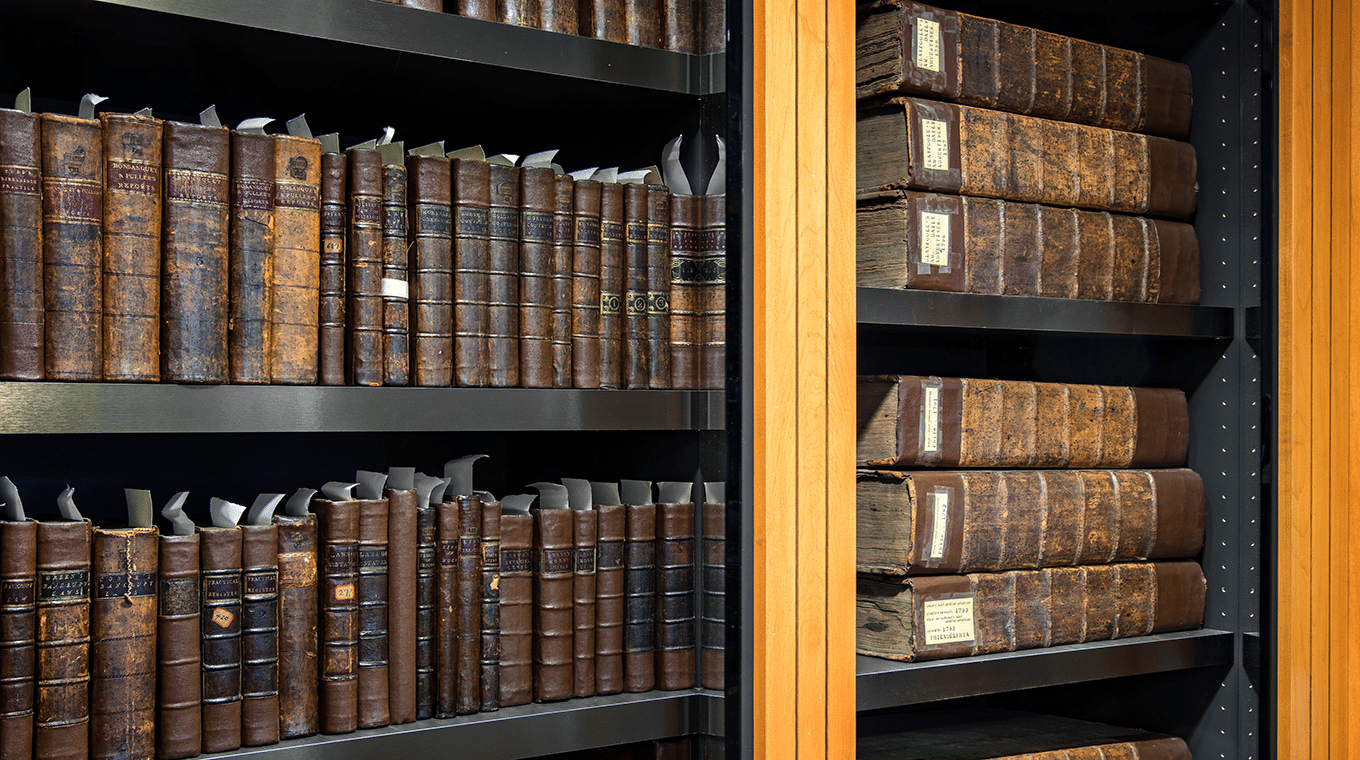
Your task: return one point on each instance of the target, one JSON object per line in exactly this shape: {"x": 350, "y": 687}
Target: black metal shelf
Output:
{"x": 518, "y": 732}
{"x": 883, "y": 683}
{"x": 166, "y": 408}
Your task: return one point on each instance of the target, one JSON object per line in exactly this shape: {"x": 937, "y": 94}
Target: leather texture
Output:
{"x": 686, "y": 281}
{"x": 563, "y": 252}
{"x": 123, "y": 643}
{"x": 426, "y": 605}
{"x": 61, "y": 700}
{"x": 298, "y": 709}
{"x": 518, "y": 12}
{"x": 18, "y": 620}
{"x": 713, "y": 598}
{"x": 675, "y": 661}
{"x": 611, "y": 285}
{"x": 554, "y": 565}
{"x": 220, "y": 565}
{"x": 469, "y": 609}
{"x": 338, "y": 598}
{"x": 482, "y": 9}
{"x": 259, "y": 635}
{"x": 21, "y": 247}
{"x": 396, "y": 310}
{"x": 605, "y": 20}
{"x": 331, "y": 295}
{"x": 680, "y": 25}
{"x": 639, "y": 631}
{"x": 471, "y": 262}
{"x": 431, "y": 241}
{"x": 364, "y": 270}
{"x": 538, "y": 190}
{"x": 635, "y": 355}
{"x": 446, "y": 616}
{"x": 517, "y": 610}
{"x": 658, "y": 287}
{"x": 251, "y": 285}
{"x": 558, "y": 16}
{"x": 609, "y": 598}
{"x": 132, "y": 247}
{"x": 490, "y": 596}
{"x": 296, "y": 284}
{"x": 712, "y": 293}
{"x": 503, "y": 287}
{"x": 642, "y": 19}
{"x": 179, "y": 657}
{"x": 374, "y": 704}
{"x": 585, "y": 524}
{"x": 585, "y": 286}
{"x": 403, "y": 592}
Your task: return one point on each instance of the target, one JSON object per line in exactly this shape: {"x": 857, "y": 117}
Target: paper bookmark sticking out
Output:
{"x": 674, "y": 492}
{"x": 584, "y": 173}
{"x": 144, "y": 112}
{"x": 297, "y": 126}
{"x": 401, "y": 478}
{"x": 262, "y": 511}
{"x": 208, "y": 118}
{"x": 392, "y": 153}
{"x": 672, "y": 170}
{"x": 225, "y": 514}
{"x": 634, "y": 177}
{"x": 299, "y": 502}
{"x": 369, "y": 145}
{"x": 604, "y": 494}
{"x": 254, "y": 126}
{"x": 487, "y": 497}
{"x": 139, "y": 508}
{"x": 14, "y": 506}
{"x": 474, "y": 153}
{"x": 541, "y": 159}
{"x": 551, "y": 495}
{"x": 370, "y": 484}
{"x": 425, "y": 485}
{"x": 87, "y": 105}
{"x": 387, "y": 135}
{"x": 635, "y": 492}
{"x": 578, "y": 494}
{"x": 180, "y": 524}
{"x": 330, "y": 143}
{"x": 607, "y": 175}
{"x": 503, "y": 159}
{"x": 459, "y": 473}
{"x": 433, "y": 150}
{"x": 438, "y": 493}
{"x": 517, "y": 504}
{"x": 66, "y": 505}
{"x": 715, "y": 492}
{"x": 337, "y": 491}
{"x": 717, "y": 184}
{"x": 24, "y": 102}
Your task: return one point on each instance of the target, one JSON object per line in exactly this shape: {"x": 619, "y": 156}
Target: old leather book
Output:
{"x": 132, "y": 247}
{"x": 584, "y": 528}
{"x": 553, "y": 608}
{"x": 403, "y": 590}
{"x": 585, "y": 286}
{"x": 934, "y": 617}
{"x": 179, "y": 658}
{"x": 713, "y": 598}
{"x": 611, "y": 285}
{"x": 713, "y": 23}
{"x": 252, "y": 256}
{"x": 924, "y": 145}
{"x": 431, "y": 198}
{"x": 490, "y": 596}
{"x": 62, "y": 681}
{"x": 680, "y": 25}
{"x": 469, "y": 604}
{"x": 298, "y": 709}
{"x": 604, "y": 20}
{"x": 538, "y": 193}
{"x": 331, "y": 298}
{"x": 21, "y": 247}
{"x": 517, "y": 609}
{"x": 18, "y": 618}
{"x": 259, "y": 635}
{"x": 675, "y": 595}
{"x": 982, "y": 521}
{"x": 482, "y": 9}
{"x": 960, "y": 244}
{"x": 395, "y": 288}
{"x": 686, "y": 281}
{"x": 374, "y": 706}
{"x": 712, "y": 292}
{"x": 446, "y": 625}
{"x": 471, "y": 265}
{"x": 913, "y": 49}
{"x": 73, "y": 250}
{"x": 658, "y": 287}
{"x": 609, "y": 598}
{"x": 426, "y": 590}
{"x": 635, "y": 356}
{"x": 425, "y": 5}
{"x": 951, "y": 422}
{"x": 503, "y": 277}
{"x": 123, "y": 643}
{"x": 518, "y": 12}
{"x": 364, "y": 270}
{"x": 563, "y": 251}
{"x": 338, "y": 599}
{"x": 220, "y": 557}
{"x": 296, "y": 283}
{"x": 639, "y": 633}
{"x": 642, "y": 19}
{"x": 194, "y": 265}
{"x": 558, "y": 16}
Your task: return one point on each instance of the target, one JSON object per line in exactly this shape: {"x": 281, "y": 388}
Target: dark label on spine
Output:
{"x": 491, "y": 555}
{"x": 686, "y": 270}
{"x": 516, "y": 561}
{"x": 467, "y": 547}
{"x": 504, "y": 223}
{"x": 611, "y": 231}
{"x": 221, "y": 587}
{"x": 679, "y": 635}
{"x": 658, "y": 302}
{"x": 72, "y": 200}
{"x": 433, "y": 221}
{"x": 448, "y": 553}
{"x": 179, "y": 597}
{"x": 637, "y": 304}
{"x": 553, "y": 561}
{"x": 637, "y": 232}
{"x": 332, "y": 219}
{"x": 563, "y": 228}
{"x": 587, "y": 231}
{"x": 394, "y": 220}
{"x": 262, "y": 582}
{"x": 195, "y": 186}
{"x": 297, "y": 569}
{"x": 610, "y": 303}
{"x": 470, "y": 222}
{"x": 17, "y": 592}
{"x": 658, "y": 233}
{"x": 585, "y": 560}
{"x": 425, "y": 560}
{"x": 257, "y": 194}
{"x": 372, "y": 559}
{"x": 63, "y": 586}
{"x": 537, "y": 226}
{"x": 640, "y": 637}
{"x": 695, "y": 241}
{"x": 129, "y": 177}
{"x": 303, "y": 195}
{"x": 340, "y": 558}
{"x": 115, "y": 585}
{"x": 19, "y": 180}
{"x": 366, "y": 210}
{"x": 609, "y": 555}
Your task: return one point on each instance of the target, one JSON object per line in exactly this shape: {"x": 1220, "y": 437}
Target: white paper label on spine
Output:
{"x": 928, "y": 44}
{"x": 935, "y": 238}
{"x": 939, "y": 524}
{"x": 948, "y": 621}
{"x": 935, "y": 145}
{"x": 932, "y": 420}
{"x": 392, "y": 288}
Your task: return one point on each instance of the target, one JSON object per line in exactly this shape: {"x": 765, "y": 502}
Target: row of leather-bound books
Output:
{"x": 144, "y": 250}
{"x": 1000, "y": 515}
{"x": 995, "y": 158}
{"x": 683, "y": 26}
{"x": 381, "y": 603}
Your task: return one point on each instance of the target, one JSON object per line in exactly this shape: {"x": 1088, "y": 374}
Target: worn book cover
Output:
{"x": 132, "y": 247}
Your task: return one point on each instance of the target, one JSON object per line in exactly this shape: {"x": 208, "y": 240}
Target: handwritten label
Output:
{"x": 344, "y": 592}
{"x": 928, "y": 44}
{"x": 935, "y": 145}
{"x": 941, "y": 522}
{"x": 948, "y": 621}
{"x": 222, "y": 617}
{"x": 935, "y": 238}
{"x": 932, "y": 420}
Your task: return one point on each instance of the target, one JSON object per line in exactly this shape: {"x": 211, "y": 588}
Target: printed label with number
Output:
{"x": 935, "y": 145}
{"x": 928, "y": 44}
{"x": 932, "y": 415}
{"x": 939, "y": 525}
{"x": 948, "y": 621}
{"x": 935, "y": 238}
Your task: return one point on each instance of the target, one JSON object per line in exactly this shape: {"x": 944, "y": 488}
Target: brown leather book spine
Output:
{"x": 194, "y": 258}
{"x": 73, "y": 249}
{"x": 611, "y": 285}
{"x": 675, "y": 596}
{"x": 554, "y": 565}
{"x": 338, "y": 600}
{"x": 503, "y": 277}
{"x": 427, "y": 560}
{"x": 713, "y": 599}
{"x": 21, "y": 250}
{"x": 517, "y": 610}
{"x": 299, "y": 714}
{"x": 680, "y": 25}
{"x": 585, "y": 526}
{"x": 252, "y": 256}
{"x": 132, "y": 247}
{"x": 635, "y": 359}
{"x": 518, "y": 12}
{"x": 585, "y": 286}
{"x": 446, "y": 625}
{"x": 491, "y": 607}
{"x": 18, "y": 617}
{"x": 331, "y": 300}
{"x": 296, "y": 297}
{"x": 403, "y": 591}
{"x": 482, "y": 9}
{"x": 564, "y": 229}
{"x": 179, "y": 659}
{"x": 712, "y": 293}
{"x": 425, "y": 5}
{"x": 431, "y": 198}
{"x": 558, "y": 16}
{"x": 220, "y": 556}
{"x": 364, "y": 271}
{"x": 395, "y": 289}
{"x": 1161, "y": 428}
{"x": 686, "y": 281}
{"x": 374, "y": 705}
{"x": 123, "y": 643}
{"x": 658, "y": 287}
{"x": 471, "y": 272}
{"x": 259, "y": 635}
{"x": 604, "y": 20}
{"x": 609, "y": 598}
{"x": 61, "y": 699}
{"x": 469, "y": 610}
{"x": 639, "y": 632}
{"x": 538, "y": 190}
{"x": 642, "y": 18}
{"x": 713, "y": 23}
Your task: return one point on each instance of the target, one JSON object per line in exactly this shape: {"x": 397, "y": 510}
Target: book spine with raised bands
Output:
{"x": 194, "y": 264}
{"x": 18, "y": 620}
{"x": 132, "y": 247}
{"x": 426, "y": 598}
{"x": 374, "y": 704}
{"x": 403, "y": 591}
{"x": 564, "y": 233}
{"x": 331, "y": 304}
{"x": 675, "y": 596}
{"x": 554, "y": 565}
{"x": 585, "y": 286}
{"x": 713, "y": 607}
{"x": 364, "y": 271}
{"x": 658, "y": 287}
{"x": 220, "y": 551}
{"x": 491, "y": 607}
{"x": 536, "y": 279}
{"x": 73, "y": 247}
{"x": 179, "y": 658}
{"x": 609, "y": 599}
{"x": 252, "y": 256}
{"x": 503, "y": 327}
{"x": 62, "y": 698}
{"x": 639, "y": 632}
{"x": 338, "y": 598}
{"x": 686, "y": 325}
{"x": 299, "y": 714}
{"x": 395, "y": 289}
{"x": 21, "y": 247}
{"x": 516, "y": 606}
{"x": 584, "y": 540}
{"x": 471, "y": 278}
{"x": 611, "y": 285}
{"x": 446, "y": 618}
{"x": 431, "y": 199}
{"x": 469, "y": 610}
{"x": 518, "y": 12}
{"x": 558, "y": 16}
{"x": 635, "y": 359}
{"x": 604, "y": 20}
{"x": 712, "y": 277}
{"x": 259, "y": 635}
{"x": 293, "y": 345}
{"x": 123, "y": 644}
